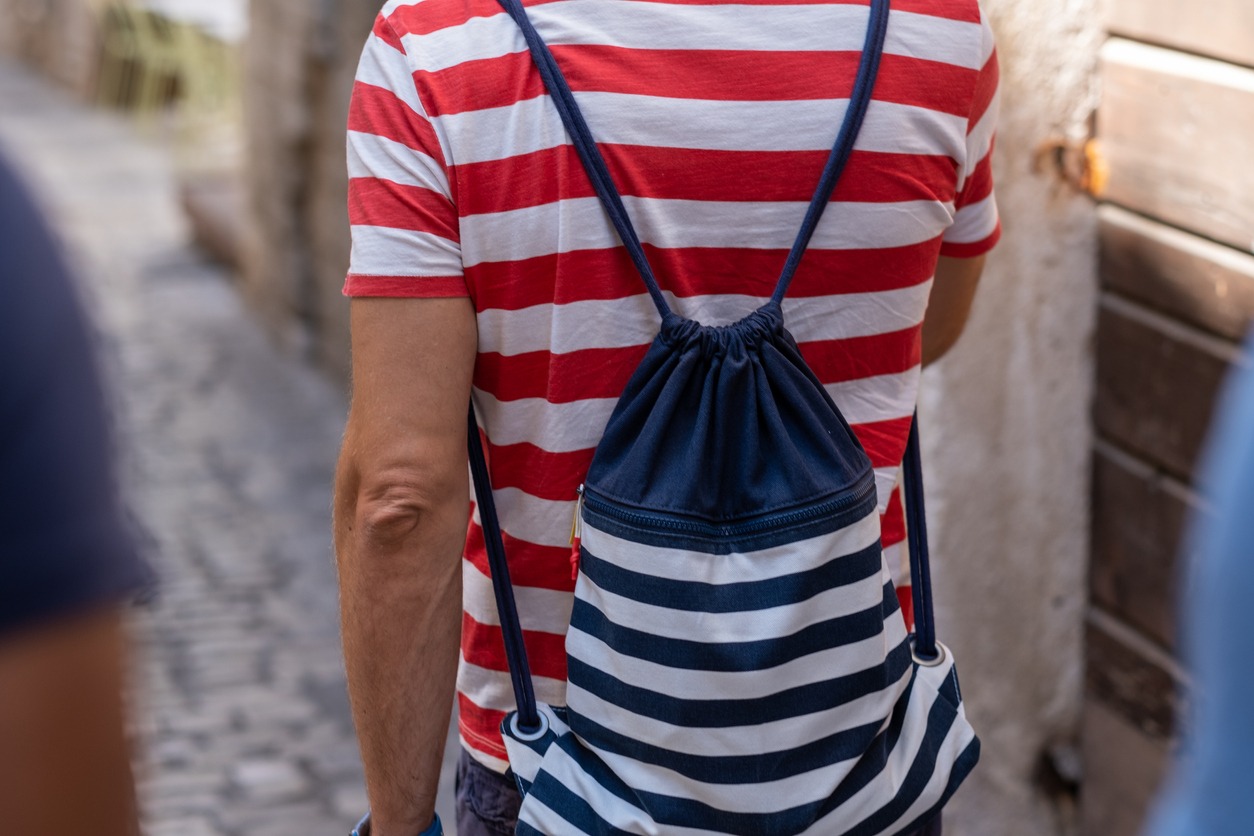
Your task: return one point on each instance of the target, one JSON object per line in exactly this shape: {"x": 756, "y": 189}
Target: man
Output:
{"x": 483, "y": 265}
{"x": 67, "y": 561}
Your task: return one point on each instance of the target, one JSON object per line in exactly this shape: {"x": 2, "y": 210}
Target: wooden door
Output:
{"x": 1176, "y": 127}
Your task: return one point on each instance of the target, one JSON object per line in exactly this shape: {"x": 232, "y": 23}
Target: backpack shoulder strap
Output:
{"x": 502, "y": 586}
{"x": 855, "y": 114}
{"x": 586, "y": 147}
{"x": 920, "y": 563}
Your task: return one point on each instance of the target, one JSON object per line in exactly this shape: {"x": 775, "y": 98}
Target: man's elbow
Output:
{"x": 385, "y": 511}
{"x": 390, "y": 511}
{"x": 937, "y": 342}
{"x": 949, "y": 306}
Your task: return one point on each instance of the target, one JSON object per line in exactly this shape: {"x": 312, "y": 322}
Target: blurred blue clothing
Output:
{"x": 1212, "y": 793}
{"x": 64, "y": 545}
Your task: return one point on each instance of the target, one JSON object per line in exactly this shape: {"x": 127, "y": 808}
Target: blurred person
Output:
{"x": 1211, "y": 789}
{"x": 484, "y": 266}
{"x": 67, "y": 559}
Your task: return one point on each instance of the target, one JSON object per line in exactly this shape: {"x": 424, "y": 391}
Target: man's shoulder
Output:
{"x": 400, "y": 13}
{"x": 392, "y": 6}
{"x": 968, "y": 11}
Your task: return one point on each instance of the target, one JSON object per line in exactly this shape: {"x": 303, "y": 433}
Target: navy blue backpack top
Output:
{"x": 738, "y": 662}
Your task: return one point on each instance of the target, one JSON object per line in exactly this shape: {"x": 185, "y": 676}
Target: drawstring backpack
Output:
{"x": 737, "y": 659}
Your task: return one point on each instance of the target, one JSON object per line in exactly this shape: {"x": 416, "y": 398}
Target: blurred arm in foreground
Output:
{"x": 1210, "y": 793}
{"x": 67, "y": 561}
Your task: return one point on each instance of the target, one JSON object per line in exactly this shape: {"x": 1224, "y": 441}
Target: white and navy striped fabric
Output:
{"x": 805, "y": 717}
{"x": 737, "y": 659}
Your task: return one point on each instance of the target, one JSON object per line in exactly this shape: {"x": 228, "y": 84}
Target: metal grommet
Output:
{"x": 528, "y": 737}
{"x": 942, "y": 655}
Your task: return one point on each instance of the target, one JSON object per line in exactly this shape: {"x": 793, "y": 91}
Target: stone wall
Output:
{"x": 1007, "y": 437}
{"x": 300, "y": 59}
{"x": 60, "y": 37}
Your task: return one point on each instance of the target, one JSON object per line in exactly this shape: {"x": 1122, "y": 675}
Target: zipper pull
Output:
{"x": 575, "y": 540}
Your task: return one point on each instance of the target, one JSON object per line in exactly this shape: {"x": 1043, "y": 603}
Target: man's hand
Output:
{"x": 947, "y": 310}
{"x": 401, "y": 507}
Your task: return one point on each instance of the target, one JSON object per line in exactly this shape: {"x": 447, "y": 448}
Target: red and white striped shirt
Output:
{"x": 715, "y": 121}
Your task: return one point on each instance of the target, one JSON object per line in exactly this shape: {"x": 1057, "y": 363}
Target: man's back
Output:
{"x": 715, "y": 121}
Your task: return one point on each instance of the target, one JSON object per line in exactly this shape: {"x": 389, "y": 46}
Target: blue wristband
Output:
{"x": 363, "y": 828}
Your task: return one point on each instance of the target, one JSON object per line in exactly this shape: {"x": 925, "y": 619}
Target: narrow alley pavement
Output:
{"x": 228, "y": 446}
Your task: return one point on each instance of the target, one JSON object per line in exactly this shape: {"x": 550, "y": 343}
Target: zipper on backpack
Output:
{"x": 858, "y": 495}
{"x": 576, "y": 531}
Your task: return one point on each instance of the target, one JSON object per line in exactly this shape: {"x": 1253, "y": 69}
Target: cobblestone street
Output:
{"x": 229, "y": 447}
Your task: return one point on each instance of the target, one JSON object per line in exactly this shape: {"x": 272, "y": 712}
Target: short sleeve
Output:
{"x": 977, "y": 227}
{"x": 400, "y": 204}
{"x": 65, "y": 545}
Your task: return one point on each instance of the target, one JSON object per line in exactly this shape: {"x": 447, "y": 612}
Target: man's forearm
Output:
{"x": 400, "y": 587}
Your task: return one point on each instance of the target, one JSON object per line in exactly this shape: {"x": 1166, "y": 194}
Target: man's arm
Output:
{"x": 950, "y": 304}
{"x": 401, "y": 507}
{"x": 67, "y": 558}
{"x": 64, "y": 758}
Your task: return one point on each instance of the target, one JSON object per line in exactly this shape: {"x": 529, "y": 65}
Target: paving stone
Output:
{"x": 167, "y": 782}
{"x": 159, "y": 809}
{"x": 224, "y": 751}
{"x": 173, "y": 752}
{"x": 192, "y": 826}
{"x": 194, "y": 722}
{"x": 257, "y": 708}
{"x": 350, "y": 801}
{"x": 269, "y": 780}
{"x": 284, "y": 820}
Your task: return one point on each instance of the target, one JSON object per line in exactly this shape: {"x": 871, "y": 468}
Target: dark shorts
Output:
{"x": 487, "y": 802}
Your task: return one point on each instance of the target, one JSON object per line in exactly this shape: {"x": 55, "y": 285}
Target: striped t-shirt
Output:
{"x": 715, "y": 121}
